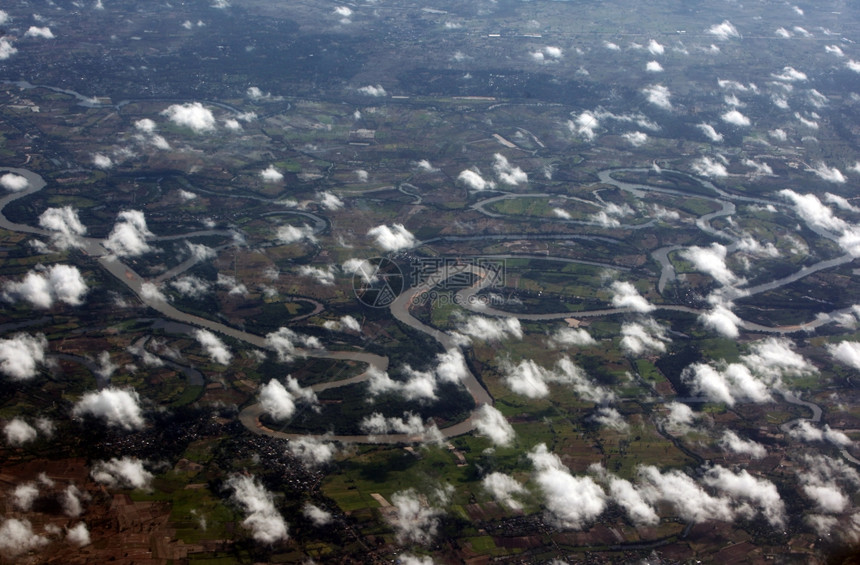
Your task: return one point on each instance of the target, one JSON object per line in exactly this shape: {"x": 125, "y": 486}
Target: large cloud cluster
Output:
{"x": 21, "y": 355}
{"x": 753, "y": 378}
{"x": 43, "y": 288}
{"x": 129, "y": 236}
{"x": 279, "y": 401}
{"x": 117, "y": 407}
{"x": 262, "y": 518}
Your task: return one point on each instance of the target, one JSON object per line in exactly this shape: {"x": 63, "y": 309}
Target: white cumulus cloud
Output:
{"x": 117, "y": 407}
{"x": 192, "y": 115}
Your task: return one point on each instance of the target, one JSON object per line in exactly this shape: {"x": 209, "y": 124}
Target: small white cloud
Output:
{"x": 655, "y": 48}
{"x": 491, "y": 329}
{"x": 79, "y": 534}
{"x": 654, "y": 67}
{"x": 322, "y": 276}
{"x": 710, "y": 132}
{"x": 570, "y": 337}
{"x": 414, "y": 521}
{"x": 285, "y": 342}
{"x": 6, "y": 49}
{"x": 730, "y": 441}
{"x": 722, "y": 320}
{"x": 625, "y": 295}
{"x": 117, "y": 407}
{"x": 18, "y": 432}
{"x": 393, "y": 238}
{"x": 127, "y": 472}
{"x": 376, "y": 91}
{"x": 39, "y": 32}
{"x": 636, "y": 138}
{"x": 847, "y": 352}
{"x": 271, "y": 174}
{"x": 21, "y": 355}
{"x": 262, "y": 518}
{"x": 474, "y": 181}
{"x": 507, "y": 173}
{"x": 17, "y": 537}
{"x": 724, "y": 31}
{"x": 13, "y": 182}
{"x": 102, "y": 161}
{"x": 504, "y": 488}
{"x": 25, "y": 495}
{"x": 790, "y": 74}
{"x": 312, "y": 451}
{"x": 213, "y": 346}
{"x": 573, "y": 502}
{"x": 658, "y": 95}
{"x": 830, "y": 174}
{"x": 610, "y": 418}
{"x": 129, "y": 235}
{"x": 192, "y": 115}
{"x": 707, "y": 167}
{"x": 638, "y": 339}
{"x": 410, "y": 424}
{"x": 291, "y": 234}
{"x": 491, "y": 423}
{"x": 735, "y": 118}
{"x": 317, "y": 515}
{"x": 330, "y": 201}
{"x": 279, "y": 401}
{"x": 712, "y": 261}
